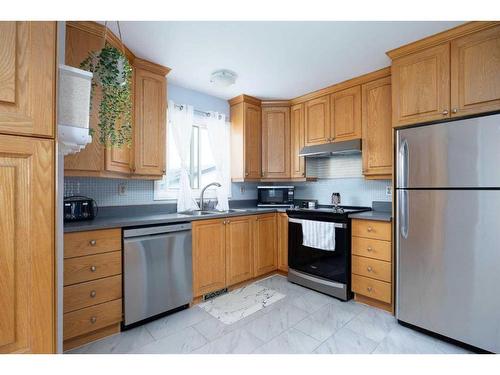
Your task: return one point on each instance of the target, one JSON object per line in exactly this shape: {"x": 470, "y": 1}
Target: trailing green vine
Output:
{"x": 113, "y": 74}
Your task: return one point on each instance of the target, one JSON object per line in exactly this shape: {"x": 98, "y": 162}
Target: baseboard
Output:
{"x": 374, "y": 303}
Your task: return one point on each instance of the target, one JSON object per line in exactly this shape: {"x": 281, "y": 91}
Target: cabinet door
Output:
{"x": 209, "y": 256}
{"x": 377, "y": 129}
{"x": 297, "y": 141}
{"x": 27, "y": 245}
{"x": 27, "y": 78}
{"x": 150, "y": 123}
{"x": 345, "y": 108}
{"x": 276, "y": 142}
{"x": 475, "y": 73}
{"x": 239, "y": 250}
{"x": 421, "y": 86}
{"x": 252, "y": 141}
{"x": 265, "y": 244}
{"x": 317, "y": 121}
{"x": 283, "y": 242}
{"x": 78, "y": 45}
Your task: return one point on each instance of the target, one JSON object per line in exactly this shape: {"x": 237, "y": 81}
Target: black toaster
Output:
{"x": 77, "y": 208}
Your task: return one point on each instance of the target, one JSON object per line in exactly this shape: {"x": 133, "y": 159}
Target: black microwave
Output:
{"x": 275, "y": 196}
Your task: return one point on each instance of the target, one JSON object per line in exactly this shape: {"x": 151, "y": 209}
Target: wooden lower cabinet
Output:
{"x": 372, "y": 268}
{"x": 239, "y": 249}
{"x": 265, "y": 230}
{"x": 282, "y": 241}
{"x": 233, "y": 250}
{"x": 92, "y": 286}
{"x": 209, "y": 256}
{"x": 27, "y": 265}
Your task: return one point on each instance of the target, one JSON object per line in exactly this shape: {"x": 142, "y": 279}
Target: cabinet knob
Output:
{"x": 93, "y": 293}
{"x": 369, "y": 269}
{"x": 93, "y": 268}
{"x": 246, "y": 173}
{"x": 92, "y": 242}
{"x": 369, "y": 289}
{"x": 369, "y": 229}
{"x": 369, "y": 249}
{"x": 164, "y": 171}
{"x": 445, "y": 112}
{"x": 304, "y": 174}
{"x": 93, "y": 319}
{"x": 454, "y": 110}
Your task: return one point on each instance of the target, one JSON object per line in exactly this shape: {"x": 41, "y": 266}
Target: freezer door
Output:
{"x": 448, "y": 263}
{"x": 464, "y": 153}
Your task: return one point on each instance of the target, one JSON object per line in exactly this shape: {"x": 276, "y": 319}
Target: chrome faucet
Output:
{"x": 203, "y": 192}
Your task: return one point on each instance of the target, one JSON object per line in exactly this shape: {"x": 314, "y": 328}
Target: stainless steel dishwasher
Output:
{"x": 157, "y": 270}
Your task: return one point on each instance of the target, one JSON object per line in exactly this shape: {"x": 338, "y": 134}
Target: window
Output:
{"x": 201, "y": 165}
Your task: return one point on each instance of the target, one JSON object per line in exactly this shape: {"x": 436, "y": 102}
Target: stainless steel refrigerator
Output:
{"x": 448, "y": 229}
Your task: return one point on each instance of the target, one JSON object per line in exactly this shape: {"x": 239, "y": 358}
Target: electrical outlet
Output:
{"x": 122, "y": 188}
{"x": 388, "y": 190}
{"x": 242, "y": 189}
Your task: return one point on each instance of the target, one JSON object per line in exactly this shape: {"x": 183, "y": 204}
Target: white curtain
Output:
{"x": 180, "y": 119}
{"x": 218, "y": 136}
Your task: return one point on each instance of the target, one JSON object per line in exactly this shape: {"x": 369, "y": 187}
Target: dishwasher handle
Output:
{"x": 162, "y": 229}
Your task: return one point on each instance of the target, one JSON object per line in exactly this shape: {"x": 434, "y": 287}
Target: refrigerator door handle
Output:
{"x": 403, "y": 213}
{"x": 403, "y": 164}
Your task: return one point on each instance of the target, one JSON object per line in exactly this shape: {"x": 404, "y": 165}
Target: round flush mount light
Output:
{"x": 223, "y": 78}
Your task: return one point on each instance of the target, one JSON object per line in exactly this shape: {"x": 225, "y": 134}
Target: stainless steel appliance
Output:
{"x": 275, "y": 196}
{"x": 328, "y": 272}
{"x": 79, "y": 207}
{"x": 157, "y": 270}
{"x": 447, "y": 229}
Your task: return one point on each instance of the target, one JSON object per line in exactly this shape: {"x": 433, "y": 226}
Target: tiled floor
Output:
{"x": 302, "y": 322}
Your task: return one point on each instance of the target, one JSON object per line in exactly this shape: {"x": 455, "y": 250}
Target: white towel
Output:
{"x": 318, "y": 234}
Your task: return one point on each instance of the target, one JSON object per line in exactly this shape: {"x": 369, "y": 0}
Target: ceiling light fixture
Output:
{"x": 223, "y": 78}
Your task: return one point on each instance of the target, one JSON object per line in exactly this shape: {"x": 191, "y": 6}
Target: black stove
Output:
{"x": 327, "y": 271}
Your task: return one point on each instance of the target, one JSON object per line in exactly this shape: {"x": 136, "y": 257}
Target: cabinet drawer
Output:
{"x": 371, "y": 248}
{"x": 92, "y": 318}
{"x": 92, "y": 242}
{"x": 377, "y": 269}
{"x": 92, "y": 293}
{"x": 77, "y": 270}
{"x": 372, "y": 288}
{"x": 378, "y": 230}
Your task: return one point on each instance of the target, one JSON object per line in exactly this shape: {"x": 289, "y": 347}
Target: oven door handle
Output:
{"x": 299, "y": 221}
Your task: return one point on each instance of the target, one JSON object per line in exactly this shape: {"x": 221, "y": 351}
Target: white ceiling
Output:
{"x": 273, "y": 60}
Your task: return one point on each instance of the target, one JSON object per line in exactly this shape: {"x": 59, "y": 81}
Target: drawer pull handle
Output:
{"x": 93, "y": 242}
{"x": 93, "y": 268}
{"x": 369, "y": 249}
{"x": 93, "y": 294}
{"x": 369, "y": 269}
{"x": 369, "y": 289}
{"x": 93, "y": 320}
{"x": 369, "y": 229}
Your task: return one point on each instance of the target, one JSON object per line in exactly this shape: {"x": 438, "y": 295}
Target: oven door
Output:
{"x": 330, "y": 265}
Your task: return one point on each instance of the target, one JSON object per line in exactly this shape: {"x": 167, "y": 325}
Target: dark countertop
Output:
{"x": 139, "y": 219}
{"x": 373, "y": 215}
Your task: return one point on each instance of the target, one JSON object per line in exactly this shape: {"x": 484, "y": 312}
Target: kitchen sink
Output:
{"x": 197, "y": 213}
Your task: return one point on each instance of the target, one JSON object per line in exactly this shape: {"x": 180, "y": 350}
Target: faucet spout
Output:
{"x": 203, "y": 192}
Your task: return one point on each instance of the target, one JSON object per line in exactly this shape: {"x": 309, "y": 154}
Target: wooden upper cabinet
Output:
{"x": 266, "y": 256}
{"x": 475, "y": 73}
{"x": 276, "y": 142}
{"x": 317, "y": 121}
{"x": 345, "y": 109}
{"x": 239, "y": 249}
{"x": 150, "y": 122}
{"x": 209, "y": 256}
{"x": 377, "y": 129}
{"x": 27, "y": 78}
{"x": 246, "y": 138}
{"x": 297, "y": 141}
{"x": 27, "y": 266}
{"x": 421, "y": 86}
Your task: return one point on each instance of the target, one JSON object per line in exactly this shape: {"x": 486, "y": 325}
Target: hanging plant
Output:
{"x": 113, "y": 75}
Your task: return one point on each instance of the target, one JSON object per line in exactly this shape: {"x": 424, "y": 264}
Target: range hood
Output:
{"x": 329, "y": 149}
